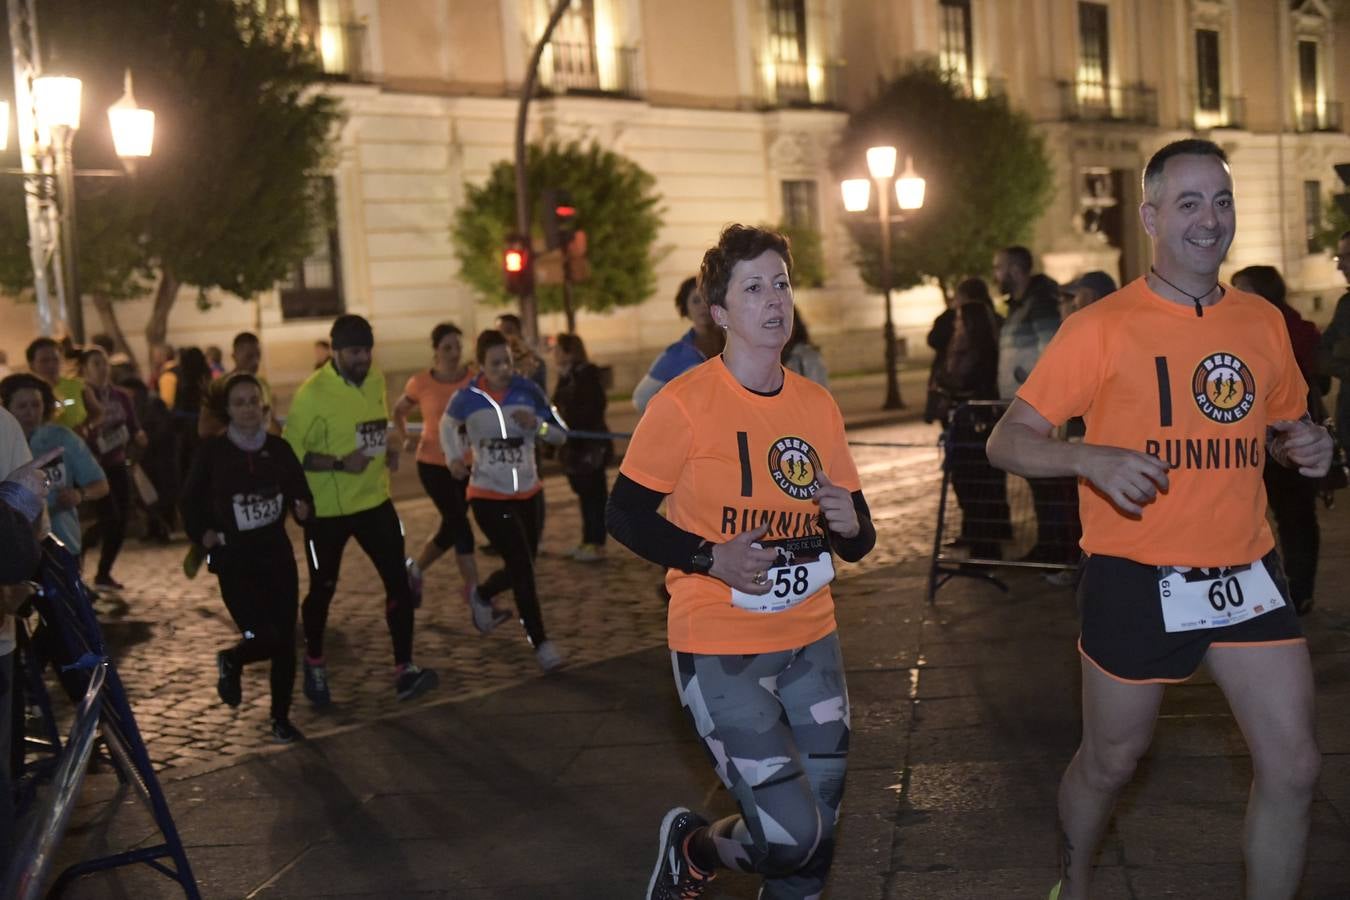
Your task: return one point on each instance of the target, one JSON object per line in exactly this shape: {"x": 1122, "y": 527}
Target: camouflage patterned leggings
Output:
{"x": 776, "y": 726}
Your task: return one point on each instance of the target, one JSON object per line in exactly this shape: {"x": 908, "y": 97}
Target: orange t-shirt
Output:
{"x": 1197, "y": 392}
{"x": 730, "y": 459}
{"x": 432, "y": 396}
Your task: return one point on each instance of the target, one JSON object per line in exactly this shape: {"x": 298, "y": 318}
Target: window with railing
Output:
{"x": 790, "y": 71}
{"x": 314, "y": 287}
{"x": 337, "y": 38}
{"x": 1312, "y": 215}
{"x": 1094, "y": 54}
{"x": 1209, "y": 89}
{"x": 582, "y": 57}
{"x": 956, "y": 50}
{"x": 1314, "y": 112}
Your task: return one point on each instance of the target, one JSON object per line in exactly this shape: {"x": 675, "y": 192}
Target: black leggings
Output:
{"x": 380, "y": 534}
{"x": 513, "y": 527}
{"x": 447, "y": 492}
{"x": 112, "y": 517}
{"x": 592, "y": 490}
{"x": 261, "y": 589}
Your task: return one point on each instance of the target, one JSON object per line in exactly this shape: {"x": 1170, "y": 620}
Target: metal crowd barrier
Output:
{"x": 988, "y": 519}
{"x": 69, "y": 638}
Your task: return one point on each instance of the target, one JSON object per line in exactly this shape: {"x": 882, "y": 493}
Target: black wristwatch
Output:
{"x": 337, "y": 464}
{"x": 701, "y": 560}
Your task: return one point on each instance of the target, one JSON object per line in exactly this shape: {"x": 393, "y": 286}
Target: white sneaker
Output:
{"x": 548, "y": 656}
{"x": 485, "y": 618}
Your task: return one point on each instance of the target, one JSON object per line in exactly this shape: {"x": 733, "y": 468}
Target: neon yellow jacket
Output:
{"x": 331, "y": 415}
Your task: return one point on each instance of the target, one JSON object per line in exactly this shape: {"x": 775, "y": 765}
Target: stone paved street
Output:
{"x": 165, "y": 630}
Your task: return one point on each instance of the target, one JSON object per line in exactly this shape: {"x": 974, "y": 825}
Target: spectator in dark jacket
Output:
{"x": 1293, "y": 498}
{"x": 970, "y": 372}
{"x": 1335, "y": 350}
{"x": 1033, "y": 319}
{"x": 580, "y": 399}
{"x": 937, "y": 404}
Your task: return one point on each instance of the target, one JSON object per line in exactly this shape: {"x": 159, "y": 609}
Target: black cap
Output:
{"x": 351, "y": 331}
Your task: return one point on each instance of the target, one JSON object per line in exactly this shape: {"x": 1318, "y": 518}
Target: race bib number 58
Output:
{"x": 803, "y": 567}
{"x": 1214, "y": 598}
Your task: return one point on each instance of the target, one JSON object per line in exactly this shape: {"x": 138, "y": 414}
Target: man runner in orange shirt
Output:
{"x": 1185, "y": 385}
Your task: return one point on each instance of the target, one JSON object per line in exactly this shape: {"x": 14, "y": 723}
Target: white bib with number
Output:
{"x": 256, "y": 510}
{"x": 803, "y": 567}
{"x": 110, "y": 440}
{"x": 371, "y": 437}
{"x": 506, "y": 452}
{"x": 1214, "y": 598}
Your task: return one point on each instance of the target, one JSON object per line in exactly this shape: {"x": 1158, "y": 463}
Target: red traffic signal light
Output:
{"x": 518, "y": 265}
{"x": 560, "y": 218}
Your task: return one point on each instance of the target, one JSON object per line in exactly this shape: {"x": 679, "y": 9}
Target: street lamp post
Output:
{"x": 909, "y": 193}
{"x": 56, "y": 99}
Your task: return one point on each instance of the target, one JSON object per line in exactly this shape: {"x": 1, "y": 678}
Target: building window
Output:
{"x": 1309, "y": 120}
{"x": 1209, "y": 96}
{"x": 314, "y": 288}
{"x": 799, "y": 205}
{"x": 1094, "y": 54}
{"x": 956, "y": 51}
{"x": 1312, "y": 214}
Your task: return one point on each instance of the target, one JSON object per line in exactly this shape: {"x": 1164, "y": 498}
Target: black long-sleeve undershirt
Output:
{"x": 632, "y": 518}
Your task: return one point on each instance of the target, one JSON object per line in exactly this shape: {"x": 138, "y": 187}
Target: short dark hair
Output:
{"x": 23, "y": 381}
{"x": 687, "y": 288}
{"x": 37, "y": 344}
{"x": 89, "y": 352}
{"x": 486, "y": 341}
{"x": 1265, "y": 281}
{"x": 244, "y": 337}
{"x": 510, "y": 319}
{"x": 108, "y": 345}
{"x": 1019, "y": 256}
{"x": 737, "y": 243}
{"x": 1345, "y": 234}
{"x": 440, "y": 331}
{"x": 1153, "y": 172}
{"x": 573, "y": 346}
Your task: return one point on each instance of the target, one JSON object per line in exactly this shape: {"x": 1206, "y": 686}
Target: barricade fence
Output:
{"x": 68, "y": 638}
{"x": 988, "y": 519}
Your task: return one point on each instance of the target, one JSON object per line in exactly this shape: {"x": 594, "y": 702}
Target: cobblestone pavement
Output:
{"x": 164, "y": 631}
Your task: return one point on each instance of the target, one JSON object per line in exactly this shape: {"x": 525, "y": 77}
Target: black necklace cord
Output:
{"x": 1199, "y": 310}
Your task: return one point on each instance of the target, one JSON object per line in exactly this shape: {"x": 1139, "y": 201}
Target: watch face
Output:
{"x": 702, "y": 560}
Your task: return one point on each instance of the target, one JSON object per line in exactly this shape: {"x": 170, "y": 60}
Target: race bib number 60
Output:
{"x": 803, "y": 567}
{"x": 1214, "y": 598}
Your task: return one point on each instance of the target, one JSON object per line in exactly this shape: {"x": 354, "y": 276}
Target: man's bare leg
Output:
{"x": 1118, "y": 720}
{"x": 1270, "y": 690}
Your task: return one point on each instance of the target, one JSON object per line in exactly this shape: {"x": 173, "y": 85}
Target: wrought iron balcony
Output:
{"x": 797, "y": 83}
{"x": 573, "y": 68}
{"x": 1100, "y": 101}
{"x": 1324, "y": 116}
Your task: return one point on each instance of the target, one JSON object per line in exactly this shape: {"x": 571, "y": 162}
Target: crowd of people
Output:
{"x": 1110, "y": 402}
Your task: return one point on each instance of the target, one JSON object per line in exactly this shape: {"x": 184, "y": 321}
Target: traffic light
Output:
{"x": 518, "y": 265}
{"x": 560, "y": 218}
{"x": 1343, "y": 200}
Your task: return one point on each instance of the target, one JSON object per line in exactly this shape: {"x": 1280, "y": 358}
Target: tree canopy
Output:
{"x": 226, "y": 199}
{"x": 988, "y": 178}
{"x": 617, "y": 206}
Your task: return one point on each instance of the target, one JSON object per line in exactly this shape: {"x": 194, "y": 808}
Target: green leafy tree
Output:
{"x": 808, "y": 253}
{"x": 226, "y": 201}
{"x": 1335, "y": 222}
{"x": 988, "y": 178}
{"x": 617, "y": 206}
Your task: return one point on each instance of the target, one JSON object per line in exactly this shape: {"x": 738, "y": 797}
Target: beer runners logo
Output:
{"x": 1224, "y": 388}
{"x": 794, "y": 463}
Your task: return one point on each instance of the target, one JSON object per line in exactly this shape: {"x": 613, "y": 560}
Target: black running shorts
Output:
{"x": 1122, "y": 623}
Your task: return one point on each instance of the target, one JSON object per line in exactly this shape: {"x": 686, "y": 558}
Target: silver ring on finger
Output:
{"x": 761, "y": 578}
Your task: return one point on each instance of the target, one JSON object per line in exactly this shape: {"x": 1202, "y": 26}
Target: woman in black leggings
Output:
{"x": 234, "y": 504}
{"x": 499, "y": 415}
{"x": 110, "y": 440}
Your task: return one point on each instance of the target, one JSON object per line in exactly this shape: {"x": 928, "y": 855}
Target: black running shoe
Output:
{"x": 227, "y": 679}
{"x": 283, "y": 732}
{"x": 415, "y": 681}
{"x": 674, "y": 878}
{"x": 316, "y": 685}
